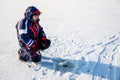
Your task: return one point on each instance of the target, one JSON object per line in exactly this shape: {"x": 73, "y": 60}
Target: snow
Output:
{"x": 84, "y": 33}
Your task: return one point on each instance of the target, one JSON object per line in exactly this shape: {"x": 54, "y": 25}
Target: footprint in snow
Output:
{"x": 36, "y": 78}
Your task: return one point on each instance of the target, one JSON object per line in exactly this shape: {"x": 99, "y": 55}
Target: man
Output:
{"x": 31, "y": 36}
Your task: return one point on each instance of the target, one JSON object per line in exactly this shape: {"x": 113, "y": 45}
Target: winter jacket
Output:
{"x": 29, "y": 33}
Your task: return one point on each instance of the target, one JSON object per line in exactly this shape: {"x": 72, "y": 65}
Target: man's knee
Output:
{"x": 36, "y": 58}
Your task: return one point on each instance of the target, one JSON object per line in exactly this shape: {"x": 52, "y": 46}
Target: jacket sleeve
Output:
{"x": 42, "y": 34}
{"x": 23, "y": 34}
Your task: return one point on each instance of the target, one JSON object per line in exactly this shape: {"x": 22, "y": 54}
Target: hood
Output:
{"x": 30, "y": 11}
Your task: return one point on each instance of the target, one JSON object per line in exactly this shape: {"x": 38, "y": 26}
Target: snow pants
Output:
{"x": 32, "y": 55}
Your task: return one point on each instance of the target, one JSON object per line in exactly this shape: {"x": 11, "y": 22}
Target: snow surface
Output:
{"x": 85, "y": 33}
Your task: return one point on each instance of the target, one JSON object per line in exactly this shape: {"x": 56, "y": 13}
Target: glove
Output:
{"x": 44, "y": 42}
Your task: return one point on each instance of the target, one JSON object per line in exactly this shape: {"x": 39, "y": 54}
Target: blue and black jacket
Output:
{"x": 28, "y": 31}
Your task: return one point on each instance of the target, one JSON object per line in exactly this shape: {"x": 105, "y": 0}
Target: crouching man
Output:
{"x": 31, "y": 36}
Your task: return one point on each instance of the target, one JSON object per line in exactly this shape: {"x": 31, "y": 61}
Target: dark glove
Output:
{"x": 44, "y": 42}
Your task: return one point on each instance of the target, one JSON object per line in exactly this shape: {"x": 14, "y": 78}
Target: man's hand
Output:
{"x": 44, "y": 41}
